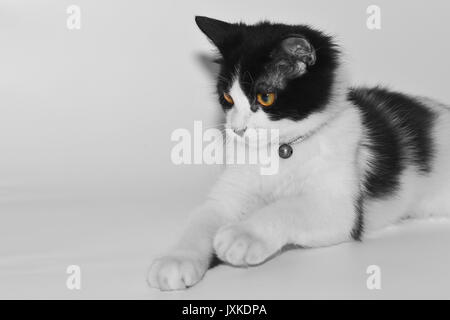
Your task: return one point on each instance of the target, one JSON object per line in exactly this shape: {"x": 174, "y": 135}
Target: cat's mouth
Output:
{"x": 255, "y": 137}
{"x": 240, "y": 131}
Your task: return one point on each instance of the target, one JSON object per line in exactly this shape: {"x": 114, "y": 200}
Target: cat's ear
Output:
{"x": 291, "y": 59}
{"x": 217, "y": 31}
{"x": 297, "y": 47}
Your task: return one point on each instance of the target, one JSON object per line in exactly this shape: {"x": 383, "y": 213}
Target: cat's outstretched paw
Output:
{"x": 238, "y": 246}
{"x": 176, "y": 272}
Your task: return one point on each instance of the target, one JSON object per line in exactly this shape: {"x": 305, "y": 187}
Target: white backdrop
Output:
{"x": 85, "y": 123}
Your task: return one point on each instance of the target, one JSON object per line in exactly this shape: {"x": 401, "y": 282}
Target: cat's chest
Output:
{"x": 294, "y": 174}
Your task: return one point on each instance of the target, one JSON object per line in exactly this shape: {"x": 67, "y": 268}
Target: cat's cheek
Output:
{"x": 228, "y": 116}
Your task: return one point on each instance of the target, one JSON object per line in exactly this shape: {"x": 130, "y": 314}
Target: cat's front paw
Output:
{"x": 240, "y": 247}
{"x": 176, "y": 271}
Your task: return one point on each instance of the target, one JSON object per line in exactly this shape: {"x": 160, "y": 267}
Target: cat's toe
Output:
{"x": 257, "y": 253}
{"x": 240, "y": 247}
{"x": 175, "y": 272}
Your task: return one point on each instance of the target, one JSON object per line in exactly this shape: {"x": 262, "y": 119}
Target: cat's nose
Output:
{"x": 240, "y": 132}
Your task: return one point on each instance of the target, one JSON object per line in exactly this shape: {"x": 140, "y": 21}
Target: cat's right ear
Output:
{"x": 217, "y": 31}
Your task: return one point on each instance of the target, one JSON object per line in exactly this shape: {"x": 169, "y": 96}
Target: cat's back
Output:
{"x": 400, "y": 127}
{"x": 406, "y": 138}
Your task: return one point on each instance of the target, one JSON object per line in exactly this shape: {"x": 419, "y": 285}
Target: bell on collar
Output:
{"x": 285, "y": 151}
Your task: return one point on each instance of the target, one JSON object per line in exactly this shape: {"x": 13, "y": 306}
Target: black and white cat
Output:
{"x": 372, "y": 157}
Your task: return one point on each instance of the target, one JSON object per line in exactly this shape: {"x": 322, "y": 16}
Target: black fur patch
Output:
{"x": 358, "y": 228}
{"x": 250, "y": 52}
{"x": 398, "y": 132}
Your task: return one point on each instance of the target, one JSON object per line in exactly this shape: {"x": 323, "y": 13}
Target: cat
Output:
{"x": 372, "y": 156}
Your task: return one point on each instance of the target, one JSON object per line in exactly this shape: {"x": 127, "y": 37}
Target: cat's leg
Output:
{"x": 309, "y": 220}
{"x": 186, "y": 263}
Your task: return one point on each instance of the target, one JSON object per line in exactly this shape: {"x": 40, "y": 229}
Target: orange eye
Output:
{"x": 228, "y": 98}
{"x": 265, "y": 99}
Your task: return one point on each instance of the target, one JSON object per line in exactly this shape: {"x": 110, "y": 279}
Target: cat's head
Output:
{"x": 273, "y": 75}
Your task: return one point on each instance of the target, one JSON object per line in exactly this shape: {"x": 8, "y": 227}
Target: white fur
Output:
{"x": 249, "y": 217}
